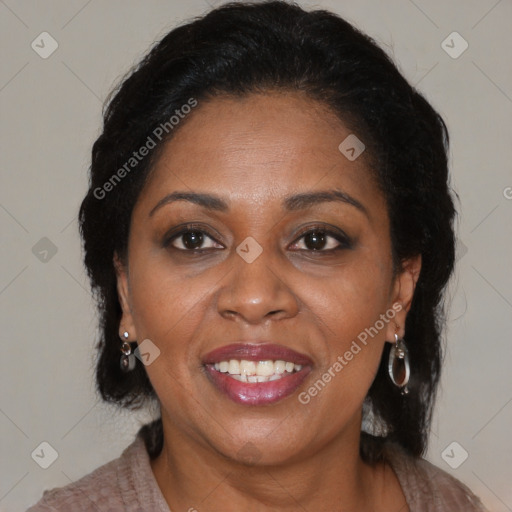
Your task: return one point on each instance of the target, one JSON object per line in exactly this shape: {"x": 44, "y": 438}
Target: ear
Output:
{"x": 402, "y": 295}
{"x": 123, "y": 293}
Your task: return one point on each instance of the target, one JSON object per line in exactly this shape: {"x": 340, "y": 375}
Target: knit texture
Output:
{"x": 128, "y": 484}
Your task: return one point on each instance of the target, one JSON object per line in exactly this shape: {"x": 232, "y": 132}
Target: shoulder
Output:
{"x": 427, "y": 487}
{"x": 109, "y": 487}
{"x": 97, "y": 489}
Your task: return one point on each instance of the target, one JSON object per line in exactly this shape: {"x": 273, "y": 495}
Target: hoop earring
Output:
{"x": 398, "y": 365}
{"x": 127, "y": 361}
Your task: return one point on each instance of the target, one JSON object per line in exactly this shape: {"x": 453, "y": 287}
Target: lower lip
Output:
{"x": 257, "y": 393}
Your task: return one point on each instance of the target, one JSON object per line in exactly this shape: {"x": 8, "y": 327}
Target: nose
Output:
{"x": 255, "y": 292}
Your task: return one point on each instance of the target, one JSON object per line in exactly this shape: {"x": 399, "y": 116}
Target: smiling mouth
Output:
{"x": 257, "y": 389}
{"x": 257, "y": 371}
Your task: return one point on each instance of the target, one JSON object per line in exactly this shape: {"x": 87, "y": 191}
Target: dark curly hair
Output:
{"x": 242, "y": 48}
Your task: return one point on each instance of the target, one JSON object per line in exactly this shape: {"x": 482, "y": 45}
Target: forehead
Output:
{"x": 256, "y": 149}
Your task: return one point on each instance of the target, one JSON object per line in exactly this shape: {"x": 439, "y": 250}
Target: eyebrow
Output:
{"x": 208, "y": 201}
{"x": 308, "y": 199}
{"x": 291, "y": 203}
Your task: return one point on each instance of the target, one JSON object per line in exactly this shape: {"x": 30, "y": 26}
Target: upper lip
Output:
{"x": 255, "y": 351}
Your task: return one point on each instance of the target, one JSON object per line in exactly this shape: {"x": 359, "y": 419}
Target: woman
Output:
{"x": 269, "y": 232}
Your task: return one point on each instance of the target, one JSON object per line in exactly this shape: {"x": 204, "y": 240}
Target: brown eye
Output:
{"x": 315, "y": 240}
{"x": 191, "y": 239}
{"x": 320, "y": 239}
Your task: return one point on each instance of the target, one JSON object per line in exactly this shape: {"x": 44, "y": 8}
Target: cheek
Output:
{"x": 351, "y": 311}
{"x": 164, "y": 304}
{"x": 168, "y": 308}
{"x": 353, "y": 298}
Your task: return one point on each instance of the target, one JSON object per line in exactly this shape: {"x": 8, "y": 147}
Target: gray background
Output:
{"x": 50, "y": 115}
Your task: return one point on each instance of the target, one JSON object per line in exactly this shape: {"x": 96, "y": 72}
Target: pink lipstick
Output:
{"x": 256, "y": 373}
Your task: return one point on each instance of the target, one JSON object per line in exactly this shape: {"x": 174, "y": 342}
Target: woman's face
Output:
{"x": 288, "y": 260}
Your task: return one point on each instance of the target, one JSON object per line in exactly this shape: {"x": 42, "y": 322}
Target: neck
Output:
{"x": 192, "y": 474}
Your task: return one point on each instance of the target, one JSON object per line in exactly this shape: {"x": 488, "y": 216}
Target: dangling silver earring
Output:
{"x": 127, "y": 361}
{"x": 398, "y": 365}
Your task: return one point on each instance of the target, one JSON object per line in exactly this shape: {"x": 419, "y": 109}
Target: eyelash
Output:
{"x": 344, "y": 241}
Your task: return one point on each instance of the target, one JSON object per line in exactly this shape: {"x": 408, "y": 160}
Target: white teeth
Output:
{"x": 234, "y": 367}
{"x": 265, "y": 368}
{"x": 257, "y": 371}
{"x": 279, "y": 366}
{"x": 247, "y": 367}
{"x": 256, "y": 378}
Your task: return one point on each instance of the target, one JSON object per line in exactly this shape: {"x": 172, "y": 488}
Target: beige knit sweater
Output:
{"x": 128, "y": 484}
